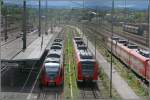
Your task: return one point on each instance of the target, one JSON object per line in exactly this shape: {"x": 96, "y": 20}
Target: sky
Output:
{"x": 134, "y": 4}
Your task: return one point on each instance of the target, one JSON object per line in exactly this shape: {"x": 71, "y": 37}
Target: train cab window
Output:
{"x": 52, "y": 70}
{"x": 87, "y": 68}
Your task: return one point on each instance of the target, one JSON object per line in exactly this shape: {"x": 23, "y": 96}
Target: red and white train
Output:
{"x": 53, "y": 68}
{"x": 86, "y": 65}
{"x": 131, "y": 55}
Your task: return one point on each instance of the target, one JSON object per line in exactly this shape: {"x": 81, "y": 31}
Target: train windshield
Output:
{"x": 52, "y": 70}
{"x": 87, "y": 69}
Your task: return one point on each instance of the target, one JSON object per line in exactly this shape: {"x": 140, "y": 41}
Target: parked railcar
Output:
{"x": 53, "y": 68}
{"x": 86, "y": 65}
{"x": 138, "y": 30}
{"x": 130, "y": 55}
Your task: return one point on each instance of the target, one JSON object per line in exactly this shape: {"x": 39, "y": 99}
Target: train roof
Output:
{"x": 58, "y": 40}
{"x": 57, "y": 43}
{"x": 78, "y": 38}
{"x": 55, "y": 60}
{"x": 54, "y": 54}
{"x": 116, "y": 38}
{"x": 85, "y": 54}
{"x": 55, "y": 51}
{"x": 82, "y": 47}
{"x": 80, "y": 42}
{"x": 56, "y": 47}
{"x": 132, "y": 46}
{"x": 51, "y": 64}
{"x": 139, "y": 56}
{"x": 122, "y": 41}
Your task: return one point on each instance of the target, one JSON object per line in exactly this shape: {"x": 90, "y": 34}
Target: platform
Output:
{"x": 16, "y": 96}
{"x": 34, "y": 51}
{"x": 13, "y": 47}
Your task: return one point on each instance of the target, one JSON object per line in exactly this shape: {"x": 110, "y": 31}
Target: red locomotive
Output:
{"x": 87, "y": 67}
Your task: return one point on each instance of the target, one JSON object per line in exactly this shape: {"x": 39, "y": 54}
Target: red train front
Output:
{"x": 87, "y": 68}
{"x": 52, "y": 74}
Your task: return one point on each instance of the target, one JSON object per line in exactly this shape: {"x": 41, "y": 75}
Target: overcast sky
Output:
{"x": 138, "y": 4}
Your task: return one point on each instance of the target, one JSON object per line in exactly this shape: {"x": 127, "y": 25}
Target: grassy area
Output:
{"x": 71, "y": 90}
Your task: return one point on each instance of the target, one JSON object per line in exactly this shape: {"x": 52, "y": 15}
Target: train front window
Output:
{"x": 87, "y": 69}
{"x": 52, "y": 70}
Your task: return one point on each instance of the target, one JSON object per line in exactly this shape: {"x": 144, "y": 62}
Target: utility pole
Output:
{"x": 39, "y": 18}
{"x": 95, "y": 45}
{"x": 24, "y": 25}
{"x": 6, "y": 36}
{"x": 1, "y": 4}
{"x": 149, "y": 38}
{"x": 82, "y": 20}
{"x": 46, "y": 15}
{"x": 148, "y": 33}
{"x": 112, "y": 29}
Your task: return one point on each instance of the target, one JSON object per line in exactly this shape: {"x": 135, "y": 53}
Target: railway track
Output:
{"x": 105, "y": 31}
{"x": 48, "y": 94}
{"x": 135, "y": 38}
{"x": 89, "y": 91}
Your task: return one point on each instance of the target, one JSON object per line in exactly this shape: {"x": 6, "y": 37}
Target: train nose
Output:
{"x": 51, "y": 83}
{"x": 87, "y": 77}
